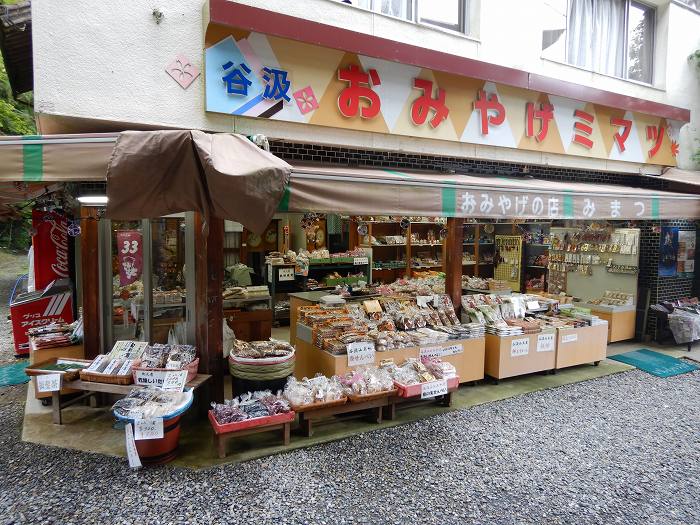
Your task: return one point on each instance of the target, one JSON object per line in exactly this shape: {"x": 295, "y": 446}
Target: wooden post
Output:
{"x": 90, "y": 280}
{"x": 453, "y": 261}
{"x": 209, "y": 315}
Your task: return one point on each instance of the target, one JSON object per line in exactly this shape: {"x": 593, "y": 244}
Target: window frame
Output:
{"x": 462, "y": 25}
{"x": 625, "y": 67}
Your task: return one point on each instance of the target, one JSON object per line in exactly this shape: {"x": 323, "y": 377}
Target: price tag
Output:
{"x": 148, "y": 428}
{"x": 433, "y": 389}
{"x": 358, "y": 261}
{"x": 48, "y": 382}
{"x": 520, "y": 347}
{"x": 423, "y": 300}
{"x": 360, "y": 353}
{"x": 286, "y": 274}
{"x": 440, "y": 351}
{"x": 533, "y": 305}
{"x": 173, "y": 365}
{"x": 545, "y": 342}
{"x": 175, "y": 381}
{"x": 372, "y": 306}
{"x": 131, "y": 453}
{"x": 569, "y": 338}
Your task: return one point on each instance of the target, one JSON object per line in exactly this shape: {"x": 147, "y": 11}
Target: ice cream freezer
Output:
{"x": 33, "y": 309}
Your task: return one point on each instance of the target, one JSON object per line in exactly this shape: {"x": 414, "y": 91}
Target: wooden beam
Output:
{"x": 209, "y": 315}
{"x": 90, "y": 280}
{"x": 453, "y": 261}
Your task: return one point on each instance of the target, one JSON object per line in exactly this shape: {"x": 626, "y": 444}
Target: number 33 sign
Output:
{"x": 130, "y": 256}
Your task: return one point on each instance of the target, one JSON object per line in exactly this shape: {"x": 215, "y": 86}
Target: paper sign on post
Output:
{"x": 545, "y": 342}
{"x": 131, "y": 453}
{"x": 440, "y": 351}
{"x": 569, "y": 338}
{"x": 520, "y": 347}
{"x": 433, "y": 389}
{"x": 151, "y": 428}
{"x": 358, "y": 261}
{"x": 48, "y": 382}
{"x": 286, "y": 274}
{"x": 361, "y": 353}
{"x": 174, "y": 381}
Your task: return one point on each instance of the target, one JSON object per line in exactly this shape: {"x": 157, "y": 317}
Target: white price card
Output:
{"x": 358, "y": 261}
{"x": 48, "y": 382}
{"x": 424, "y": 300}
{"x": 433, "y": 389}
{"x": 131, "y": 452}
{"x": 174, "y": 381}
{"x": 152, "y": 378}
{"x": 520, "y": 347}
{"x": 440, "y": 351}
{"x": 286, "y": 274}
{"x": 533, "y": 305}
{"x": 361, "y": 353}
{"x": 569, "y": 338}
{"x": 173, "y": 365}
{"x": 545, "y": 342}
{"x": 151, "y": 428}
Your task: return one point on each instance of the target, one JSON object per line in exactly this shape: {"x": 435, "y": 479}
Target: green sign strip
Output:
{"x": 654, "y": 207}
{"x": 33, "y": 157}
{"x": 449, "y": 202}
{"x": 283, "y": 205}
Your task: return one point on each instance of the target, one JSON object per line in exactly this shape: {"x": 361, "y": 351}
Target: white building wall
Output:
{"x": 97, "y": 61}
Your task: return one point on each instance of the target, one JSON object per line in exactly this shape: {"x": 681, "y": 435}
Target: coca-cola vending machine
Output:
{"x": 30, "y": 310}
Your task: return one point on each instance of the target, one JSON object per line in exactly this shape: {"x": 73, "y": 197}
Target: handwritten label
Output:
{"x": 173, "y": 365}
{"x": 286, "y": 274}
{"x": 520, "y": 347}
{"x": 533, "y": 305}
{"x": 569, "y": 338}
{"x": 424, "y": 300}
{"x": 433, "y": 389}
{"x": 96, "y": 363}
{"x": 372, "y": 306}
{"x": 151, "y": 428}
{"x": 440, "y": 351}
{"x": 126, "y": 367}
{"x": 131, "y": 453}
{"x": 545, "y": 342}
{"x": 358, "y": 261}
{"x": 361, "y": 353}
{"x": 48, "y": 382}
{"x": 175, "y": 381}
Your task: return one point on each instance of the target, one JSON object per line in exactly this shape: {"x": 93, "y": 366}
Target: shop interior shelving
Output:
{"x": 477, "y": 251}
{"x": 425, "y": 247}
{"x": 536, "y": 245}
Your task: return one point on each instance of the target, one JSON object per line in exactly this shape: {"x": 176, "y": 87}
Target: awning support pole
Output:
{"x": 90, "y": 277}
{"x": 209, "y": 313}
{"x": 453, "y": 261}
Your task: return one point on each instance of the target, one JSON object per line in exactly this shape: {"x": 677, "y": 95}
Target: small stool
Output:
{"x": 220, "y": 440}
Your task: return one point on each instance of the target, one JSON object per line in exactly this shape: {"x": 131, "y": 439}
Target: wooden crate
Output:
{"x": 576, "y": 346}
{"x": 469, "y": 364}
{"x": 40, "y": 355}
{"x": 503, "y": 360}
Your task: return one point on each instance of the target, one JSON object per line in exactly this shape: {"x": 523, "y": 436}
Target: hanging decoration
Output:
{"x": 362, "y": 229}
{"x": 443, "y": 234}
{"x": 309, "y": 220}
{"x": 405, "y": 223}
{"x": 74, "y": 229}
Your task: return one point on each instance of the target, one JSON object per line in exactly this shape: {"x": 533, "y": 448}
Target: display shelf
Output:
{"x": 535, "y": 266}
{"x": 380, "y": 245}
{"x": 537, "y": 244}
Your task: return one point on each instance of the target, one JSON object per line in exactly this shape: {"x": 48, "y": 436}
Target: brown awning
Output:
{"x": 680, "y": 180}
{"x": 156, "y": 173}
{"x": 389, "y": 192}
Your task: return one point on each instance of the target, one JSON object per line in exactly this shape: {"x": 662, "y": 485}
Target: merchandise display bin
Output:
{"x": 516, "y": 355}
{"x": 576, "y": 346}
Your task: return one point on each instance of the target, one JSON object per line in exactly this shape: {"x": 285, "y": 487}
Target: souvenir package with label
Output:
{"x": 367, "y": 380}
{"x": 261, "y": 349}
{"x": 410, "y": 372}
{"x": 167, "y": 356}
{"x": 439, "y": 368}
{"x": 251, "y": 405}
{"x": 319, "y": 389}
{"x": 143, "y": 403}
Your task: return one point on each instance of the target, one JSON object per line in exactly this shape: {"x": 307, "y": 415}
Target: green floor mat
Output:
{"x": 655, "y": 363}
{"x": 14, "y": 374}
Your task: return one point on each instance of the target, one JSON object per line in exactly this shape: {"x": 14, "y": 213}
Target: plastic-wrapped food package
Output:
{"x": 319, "y": 389}
{"x": 261, "y": 349}
{"x": 439, "y": 368}
{"x": 250, "y": 406}
{"x": 367, "y": 380}
{"x": 148, "y": 403}
{"x": 685, "y": 326}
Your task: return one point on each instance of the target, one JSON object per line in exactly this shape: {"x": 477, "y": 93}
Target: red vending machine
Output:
{"x": 29, "y": 310}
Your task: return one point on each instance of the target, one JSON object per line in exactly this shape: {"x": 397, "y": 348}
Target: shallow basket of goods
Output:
{"x": 263, "y": 368}
{"x": 225, "y": 428}
{"x": 111, "y": 379}
{"x": 318, "y": 406}
{"x": 363, "y": 398}
{"x": 415, "y": 390}
{"x": 192, "y": 369}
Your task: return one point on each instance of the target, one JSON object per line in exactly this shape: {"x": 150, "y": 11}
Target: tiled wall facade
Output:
{"x": 660, "y": 288}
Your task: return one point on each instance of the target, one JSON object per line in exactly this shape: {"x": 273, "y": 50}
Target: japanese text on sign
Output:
{"x": 285, "y": 274}
{"x": 48, "y": 382}
{"x": 165, "y": 380}
{"x": 520, "y": 347}
{"x": 361, "y": 353}
{"x": 440, "y": 351}
{"x": 433, "y": 389}
{"x": 569, "y": 338}
{"x": 151, "y": 428}
{"x": 357, "y": 261}
{"x": 131, "y": 453}
{"x": 545, "y": 342}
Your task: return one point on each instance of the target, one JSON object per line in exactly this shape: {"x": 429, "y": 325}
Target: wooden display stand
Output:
{"x": 374, "y": 408}
{"x": 310, "y": 360}
{"x": 226, "y": 432}
{"x": 576, "y": 346}
{"x": 506, "y": 356}
{"x": 622, "y": 320}
{"x": 40, "y": 355}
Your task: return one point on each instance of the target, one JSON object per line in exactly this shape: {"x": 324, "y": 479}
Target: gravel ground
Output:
{"x": 11, "y": 266}
{"x": 621, "y": 449}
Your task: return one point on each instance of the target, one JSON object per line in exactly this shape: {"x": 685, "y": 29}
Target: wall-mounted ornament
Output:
{"x": 182, "y": 71}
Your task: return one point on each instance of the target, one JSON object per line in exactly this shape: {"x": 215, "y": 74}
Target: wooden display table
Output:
{"x": 519, "y": 354}
{"x": 228, "y": 431}
{"x": 92, "y": 388}
{"x": 41, "y": 355}
{"x": 622, "y": 320}
{"x": 576, "y": 346}
{"x": 374, "y": 407}
{"x": 469, "y": 362}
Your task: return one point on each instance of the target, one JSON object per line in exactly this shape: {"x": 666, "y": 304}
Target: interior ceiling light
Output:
{"x": 93, "y": 200}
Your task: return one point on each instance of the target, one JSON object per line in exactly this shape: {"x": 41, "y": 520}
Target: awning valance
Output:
{"x": 390, "y": 192}
{"x": 55, "y": 158}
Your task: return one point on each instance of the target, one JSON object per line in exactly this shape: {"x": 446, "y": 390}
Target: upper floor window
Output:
{"x": 448, "y": 14}
{"x": 614, "y": 37}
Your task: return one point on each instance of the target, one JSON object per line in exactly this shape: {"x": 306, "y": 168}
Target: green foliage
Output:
{"x": 15, "y": 234}
{"x": 16, "y": 115}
